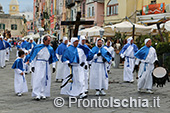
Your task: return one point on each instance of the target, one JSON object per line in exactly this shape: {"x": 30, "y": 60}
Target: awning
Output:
{"x": 150, "y": 21}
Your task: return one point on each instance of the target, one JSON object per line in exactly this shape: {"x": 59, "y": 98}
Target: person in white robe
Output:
{"x": 26, "y": 59}
{"x": 98, "y": 72}
{"x": 18, "y": 47}
{"x": 147, "y": 56}
{"x": 62, "y": 69}
{"x": 24, "y": 44}
{"x": 3, "y": 46}
{"x": 110, "y": 49}
{"x": 128, "y": 52}
{"x": 30, "y": 45}
{"x": 42, "y": 56}
{"x": 20, "y": 83}
{"x": 73, "y": 57}
{"x": 8, "y": 49}
{"x": 86, "y": 51}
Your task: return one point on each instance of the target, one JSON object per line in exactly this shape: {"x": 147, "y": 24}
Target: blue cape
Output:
{"x": 103, "y": 51}
{"x": 29, "y": 45}
{"x": 61, "y": 48}
{"x": 142, "y": 53}
{"x": 24, "y": 44}
{"x": 85, "y": 48}
{"x": 106, "y": 46}
{"x": 70, "y": 54}
{"x": 7, "y": 44}
{"x": 18, "y": 46}
{"x": 18, "y": 64}
{"x": 27, "y": 58}
{"x": 2, "y": 46}
{"x": 135, "y": 48}
{"x": 37, "y": 48}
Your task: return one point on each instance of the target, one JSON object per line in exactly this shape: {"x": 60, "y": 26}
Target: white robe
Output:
{"x": 112, "y": 52}
{"x": 98, "y": 79}
{"x": 2, "y": 57}
{"x": 145, "y": 80}
{"x": 7, "y": 54}
{"x": 78, "y": 85}
{"x": 62, "y": 69}
{"x": 40, "y": 88}
{"x": 86, "y": 78}
{"x": 128, "y": 64}
{"x": 20, "y": 84}
{"x": 27, "y": 68}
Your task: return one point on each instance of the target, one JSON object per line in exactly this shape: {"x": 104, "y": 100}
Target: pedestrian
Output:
{"x": 128, "y": 52}
{"x": 147, "y": 56}
{"x": 20, "y": 83}
{"x": 117, "y": 56}
{"x": 42, "y": 56}
{"x": 73, "y": 57}
{"x": 98, "y": 72}
{"x": 62, "y": 69}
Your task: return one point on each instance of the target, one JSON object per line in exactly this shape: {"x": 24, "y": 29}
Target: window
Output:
{"x": 112, "y": 8}
{"x": 83, "y": 15}
{"x": 13, "y": 27}
{"x": 90, "y": 12}
{"x": 2, "y": 26}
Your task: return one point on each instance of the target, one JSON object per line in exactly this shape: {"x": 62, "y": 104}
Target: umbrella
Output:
{"x": 167, "y": 25}
{"x": 127, "y": 27}
{"x": 91, "y": 32}
{"x": 94, "y": 31}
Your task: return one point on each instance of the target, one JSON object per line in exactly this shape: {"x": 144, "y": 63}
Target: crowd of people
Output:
{"x": 80, "y": 66}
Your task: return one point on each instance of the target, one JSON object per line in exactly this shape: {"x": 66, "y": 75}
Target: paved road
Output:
{"x": 10, "y": 103}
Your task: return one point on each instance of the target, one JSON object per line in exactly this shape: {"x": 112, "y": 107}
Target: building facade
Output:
{"x": 116, "y": 10}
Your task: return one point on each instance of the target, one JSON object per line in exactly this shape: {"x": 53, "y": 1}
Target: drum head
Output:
{"x": 159, "y": 72}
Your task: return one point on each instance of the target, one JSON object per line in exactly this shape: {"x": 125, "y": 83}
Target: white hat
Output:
{"x": 1, "y": 37}
{"x": 31, "y": 38}
{"x": 146, "y": 40}
{"x": 110, "y": 43}
{"x": 64, "y": 39}
{"x": 129, "y": 40}
{"x": 26, "y": 51}
{"x": 73, "y": 39}
{"x": 82, "y": 38}
{"x": 102, "y": 41}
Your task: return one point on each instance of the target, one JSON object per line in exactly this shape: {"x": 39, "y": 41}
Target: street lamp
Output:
{"x": 101, "y": 32}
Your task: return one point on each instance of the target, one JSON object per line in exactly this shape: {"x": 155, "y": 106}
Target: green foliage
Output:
{"x": 163, "y": 47}
{"x": 167, "y": 63}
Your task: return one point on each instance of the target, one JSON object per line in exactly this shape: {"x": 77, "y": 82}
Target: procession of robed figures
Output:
{"x": 80, "y": 67}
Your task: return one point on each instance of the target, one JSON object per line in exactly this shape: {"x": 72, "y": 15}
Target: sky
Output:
{"x": 24, "y": 5}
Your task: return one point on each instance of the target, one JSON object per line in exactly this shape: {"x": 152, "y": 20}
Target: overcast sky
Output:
{"x": 24, "y": 5}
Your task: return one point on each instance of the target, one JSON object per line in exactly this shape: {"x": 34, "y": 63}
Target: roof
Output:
{"x": 14, "y": 2}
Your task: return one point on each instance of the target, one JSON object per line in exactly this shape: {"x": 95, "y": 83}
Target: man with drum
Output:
{"x": 148, "y": 57}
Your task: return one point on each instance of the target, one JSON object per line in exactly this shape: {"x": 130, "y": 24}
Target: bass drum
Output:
{"x": 160, "y": 76}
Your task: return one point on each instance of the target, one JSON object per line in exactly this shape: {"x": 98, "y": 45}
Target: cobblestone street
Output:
{"x": 10, "y": 103}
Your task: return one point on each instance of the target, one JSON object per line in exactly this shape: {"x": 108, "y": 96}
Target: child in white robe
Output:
{"x": 20, "y": 83}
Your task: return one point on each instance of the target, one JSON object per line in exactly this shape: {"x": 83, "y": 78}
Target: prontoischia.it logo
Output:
{"x": 109, "y": 102}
